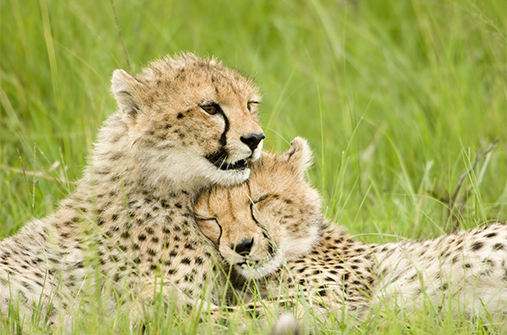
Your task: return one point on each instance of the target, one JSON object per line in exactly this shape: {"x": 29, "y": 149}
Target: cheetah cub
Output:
{"x": 183, "y": 124}
{"x": 272, "y": 228}
{"x": 467, "y": 271}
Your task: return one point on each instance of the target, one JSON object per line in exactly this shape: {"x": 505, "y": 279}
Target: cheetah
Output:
{"x": 183, "y": 123}
{"x": 334, "y": 272}
{"x": 271, "y": 229}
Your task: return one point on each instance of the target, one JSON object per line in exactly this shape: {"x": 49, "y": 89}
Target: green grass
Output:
{"x": 395, "y": 97}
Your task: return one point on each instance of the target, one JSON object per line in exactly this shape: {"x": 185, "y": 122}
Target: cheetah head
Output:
{"x": 274, "y": 217}
{"x": 190, "y": 120}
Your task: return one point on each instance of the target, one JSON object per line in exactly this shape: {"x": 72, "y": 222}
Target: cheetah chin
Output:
{"x": 259, "y": 268}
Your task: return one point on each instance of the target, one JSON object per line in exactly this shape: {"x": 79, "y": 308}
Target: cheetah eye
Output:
{"x": 261, "y": 198}
{"x": 251, "y": 104}
{"x": 206, "y": 219}
{"x": 211, "y": 109}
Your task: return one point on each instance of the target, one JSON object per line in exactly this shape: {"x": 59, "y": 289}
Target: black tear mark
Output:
{"x": 221, "y": 153}
{"x": 223, "y": 138}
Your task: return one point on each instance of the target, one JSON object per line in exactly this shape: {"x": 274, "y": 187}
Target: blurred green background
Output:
{"x": 396, "y": 97}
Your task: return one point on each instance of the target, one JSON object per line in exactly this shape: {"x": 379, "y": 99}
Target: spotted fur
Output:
{"x": 183, "y": 123}
{"x": 340, "y": 275}
{"x": 464, "y": 272}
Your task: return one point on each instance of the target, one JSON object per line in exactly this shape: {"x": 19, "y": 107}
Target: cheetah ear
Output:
{"x": 127, "y": 90}
{"x": 299, "y": 156}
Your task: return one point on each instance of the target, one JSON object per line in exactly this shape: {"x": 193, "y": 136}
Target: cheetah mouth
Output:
{"x": 239, "y": 165}
{"x": 259, "y": 268}
{"x": 219, "y": 161}
{"x": 252, "y": 265}
{"x": 249, "y": 265}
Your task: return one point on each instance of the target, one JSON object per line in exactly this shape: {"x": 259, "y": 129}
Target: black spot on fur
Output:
{"x": 498, "y": 246}
{"x": 489, "y": 262}
{"x": 27, "y": 286}
{"x": 477, "y": 246}
{"x": 322, "y": 292}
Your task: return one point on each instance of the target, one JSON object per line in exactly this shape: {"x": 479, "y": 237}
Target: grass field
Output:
{"x": 397, "y": 98}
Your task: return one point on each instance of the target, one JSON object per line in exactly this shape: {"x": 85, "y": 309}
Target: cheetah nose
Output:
{"x": 244, "y": 247}
{"x": 252, "y": 140}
